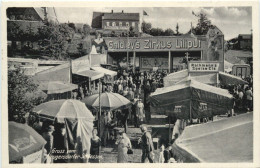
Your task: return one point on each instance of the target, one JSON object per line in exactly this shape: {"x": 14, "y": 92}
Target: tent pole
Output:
{"x": 190, "y": 113}
{"x": 169, "y": 128}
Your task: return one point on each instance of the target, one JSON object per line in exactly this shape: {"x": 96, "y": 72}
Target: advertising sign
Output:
{"x": 203, "y": 66}
{"x": 158, "y": 43}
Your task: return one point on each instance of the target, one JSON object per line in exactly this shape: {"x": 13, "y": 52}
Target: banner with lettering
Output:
{"x": 155, "y": 43}
{"x": 203, "y": 66}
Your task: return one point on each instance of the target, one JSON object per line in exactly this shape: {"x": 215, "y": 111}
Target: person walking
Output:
{"x": 140, "y": 112}
{"x": 124, "y": 144}
{"x": 147, "y": 145}
{"x": 94, "y": 149}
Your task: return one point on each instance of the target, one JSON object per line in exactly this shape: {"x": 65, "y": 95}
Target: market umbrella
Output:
{"x": 55, "y": 87}
{"x": 76, "y": 116}
{"x": 64, "y": 108}
{"x": 108, "y": 100}
{"x": 23, "y": 141}
{"x": 225, "y": 141}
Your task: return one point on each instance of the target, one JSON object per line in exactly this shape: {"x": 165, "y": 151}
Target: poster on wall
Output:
{"x": 150, "y": 62}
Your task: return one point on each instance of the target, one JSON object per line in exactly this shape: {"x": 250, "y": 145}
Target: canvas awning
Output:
{"x": 227, "y": 140}
{"x": 57, "y": 73}
{"x": 56, "y": 87}
{"x": 81, "y": 64}
{"x": 105, "y": 71}
{"x": 228, "y": 66}
{"x": 189, "y": 96}
{"x": 176, "y": 77}
{"x": 93, "y": 75}
{"x": 227, "y": 79}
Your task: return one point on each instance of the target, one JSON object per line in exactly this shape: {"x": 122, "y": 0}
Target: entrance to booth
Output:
{"x": 177, "y": 61}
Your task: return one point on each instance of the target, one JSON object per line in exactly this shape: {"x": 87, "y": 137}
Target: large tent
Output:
{"x": 224, "y": 141}
{"x": 191, "y": 99}
{"x": 207, "y": 78}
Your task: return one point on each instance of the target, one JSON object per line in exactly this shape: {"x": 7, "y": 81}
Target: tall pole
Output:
{"x": 190, "y": 112}
{"x": 99, "y": 112}
{"x": 127, "y": 52}
{"x": 99, "y": 115}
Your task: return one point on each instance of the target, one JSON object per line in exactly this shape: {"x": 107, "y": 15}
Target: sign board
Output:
{"x": 177, "y": 109}
{"x": 154, "y": 43}
{"x": 203, "y": 66}
{"x": 203, "y": 107}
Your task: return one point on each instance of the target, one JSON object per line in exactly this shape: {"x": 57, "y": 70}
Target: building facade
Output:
{"x": 245, "y": 41}
{"x": 117, "y": 23}
{"x": 166, "y": 53}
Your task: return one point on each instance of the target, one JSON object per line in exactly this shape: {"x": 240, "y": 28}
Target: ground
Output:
{"x": 109, "y": 153}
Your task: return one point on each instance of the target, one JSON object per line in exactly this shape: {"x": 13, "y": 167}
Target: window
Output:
{"x": 120, "y": 24}
{"x": 107, "y": 23}
{"x": 114, "y": 24}
{"x": 127, "y": 24}
{"x": 133, "y": 24}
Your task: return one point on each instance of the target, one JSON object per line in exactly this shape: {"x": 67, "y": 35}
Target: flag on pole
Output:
{"x": 145, "y": 13}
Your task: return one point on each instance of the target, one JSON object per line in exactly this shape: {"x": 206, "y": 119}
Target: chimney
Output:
{"x": 122, "y": 11}
{"x": 112, "y": 11}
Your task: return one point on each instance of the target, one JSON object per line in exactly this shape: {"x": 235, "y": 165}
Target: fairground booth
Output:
{"x": 166, "y": 53}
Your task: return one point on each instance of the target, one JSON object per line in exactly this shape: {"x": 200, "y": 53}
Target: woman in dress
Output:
{"x": 94, "y": 150}
{"x": 124, "y": 144}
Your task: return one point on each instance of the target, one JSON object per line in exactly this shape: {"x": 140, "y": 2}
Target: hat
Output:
{"x": 51, "y": 128}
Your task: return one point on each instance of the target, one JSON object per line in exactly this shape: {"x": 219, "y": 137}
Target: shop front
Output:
{"x": 165, "y": 53}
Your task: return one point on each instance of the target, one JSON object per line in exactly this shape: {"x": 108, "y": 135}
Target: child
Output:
{"x": 161, "y": 155}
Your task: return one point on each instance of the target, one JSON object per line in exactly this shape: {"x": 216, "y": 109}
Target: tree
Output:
{"x": 72, "y": 25}
{"x": 54, "y": 40}
{"x": 22, "y": 95}
{"x": 177, "y": 29}
{"x": 156, "y": 32}
{"x": 146, "y": 27}
{"x": 168, "y": 32}
{"x": 203, "y": 24}
{"x": 131, "y": 32}
{"x": 86, "y": 30}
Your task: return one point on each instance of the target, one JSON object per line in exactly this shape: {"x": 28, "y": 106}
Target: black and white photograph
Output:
{"x": 129, "y": 84}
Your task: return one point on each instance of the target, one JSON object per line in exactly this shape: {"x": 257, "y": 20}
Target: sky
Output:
{"x": 230, "y": 20}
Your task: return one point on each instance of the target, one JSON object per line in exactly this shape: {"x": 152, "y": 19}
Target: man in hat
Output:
{"x": 147, "y": 145}
{"x": 47, "y": 135}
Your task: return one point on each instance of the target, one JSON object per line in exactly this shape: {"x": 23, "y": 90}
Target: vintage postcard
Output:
{"x": 130, "y": 82}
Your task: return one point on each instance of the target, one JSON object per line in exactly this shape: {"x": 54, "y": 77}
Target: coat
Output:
{"x": 147, "y": 143}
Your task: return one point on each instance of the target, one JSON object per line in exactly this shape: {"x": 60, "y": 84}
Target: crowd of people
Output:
{"x": 136, "y": 87}
{"x": 243, "y": 96}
